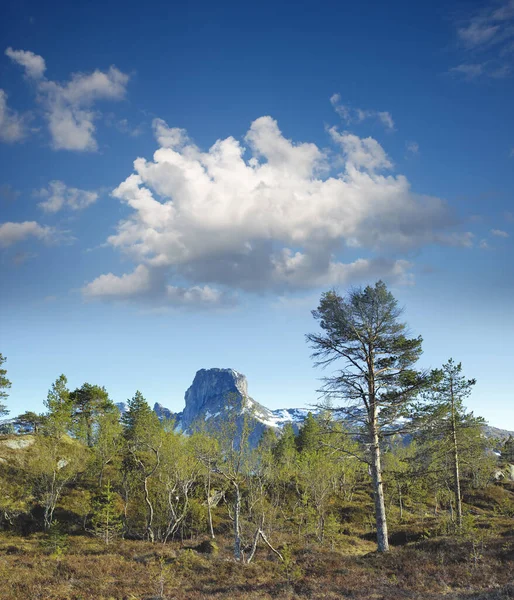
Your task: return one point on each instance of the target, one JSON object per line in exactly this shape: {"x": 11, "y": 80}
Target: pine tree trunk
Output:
{"x": 378, "y": 491}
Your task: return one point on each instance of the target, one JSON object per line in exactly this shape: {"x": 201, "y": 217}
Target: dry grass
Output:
{"x": 463, "y": 568}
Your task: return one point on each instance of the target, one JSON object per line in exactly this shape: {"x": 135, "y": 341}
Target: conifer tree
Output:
{"x": 106, "y": 517}
{"x": 59, "y": 405}
{"x": 143, "y": 444}
{"x": 443, "y": 417}
{"x": 4, "y": 385}
{"x": 308, "y": 438}
{"x": 362, "y": 333}
{"x": 90, "y": 402}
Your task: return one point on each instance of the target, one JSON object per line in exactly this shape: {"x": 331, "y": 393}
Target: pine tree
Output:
{"x": 143, "y": 436}
{"x": 507, "y": 451}
{"x": 308, "y": 438}
{"x": 443, "y": 417}
{"x": 285, "y": 449}
{"x": 362, "y": 332}
{"x": 90, "y": 402}
{"x": 106, "y": 519}
{"x": 58, "y": 403}
{"x": 4, "y": 385}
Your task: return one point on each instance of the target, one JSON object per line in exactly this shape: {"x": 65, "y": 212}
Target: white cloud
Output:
{"x": 58, "y": 196}
{"x": 412, "y": 148}
{"x": 147, "y": 285}
{"x": 483, "y": 245}
{"x": 499, "y": 233}
{"x": 129, "y": 285}
{"x": 492, "y": 25}
{"x": 278, "y": 219}
{"x": 68, "y": 106}
{"x": 13, "y": 126}
{"x": 468, "y": 71}
{"x": 361, "y": 153}
{"x": 12, "y": 233}
{"x": 488, "y": 32}
{"x": 33, "y": 64}
{"x": 475, "y": 71}
{"x": 169, "y": 137}
{"x": 357, "y": 115}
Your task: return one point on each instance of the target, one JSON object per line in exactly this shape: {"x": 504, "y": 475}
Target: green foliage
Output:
{"x": 30, "y": 421}
{"x": 309, "y": 437}
{"x": 507, "y": 450}
{"x": 55, "y": 542}
{"x": 89, "y": 404}
{"x": 106, "y": 515}
{"x": 291, "y": 571}
{"x": 5, "y": 384}
{"x": 58, "y": 420}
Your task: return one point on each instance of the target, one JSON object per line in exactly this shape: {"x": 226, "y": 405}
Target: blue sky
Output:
{"x": 278, "y": 153}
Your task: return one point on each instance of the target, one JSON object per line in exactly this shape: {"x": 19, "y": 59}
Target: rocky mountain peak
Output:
{"x": 209, "y": 393}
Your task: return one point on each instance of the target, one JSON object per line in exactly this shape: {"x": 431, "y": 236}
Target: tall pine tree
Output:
{"x": 362, "y": 333}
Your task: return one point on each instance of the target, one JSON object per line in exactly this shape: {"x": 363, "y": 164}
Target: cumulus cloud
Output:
{"x": 13, "y": 126}
{"x": 33, "y": 64}
{"x": 68, "y": 106}
{"x": 356, "y": 115}
{"x": 12, "y": 233}
{"x": 149, "y": 285}
{"x": 275, "y": 216}
{"x": 58, "y": 196}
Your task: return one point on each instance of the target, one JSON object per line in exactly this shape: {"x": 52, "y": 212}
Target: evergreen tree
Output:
{"x": 30, "y": 421}
{"x": 106, "y": 518}
{"x": 507, "y": 451}
{"x": 308, "y": 438}
{"x": 59, "y": 405}
{"x": 363, "y": 333}
{"x": 4, "y": 385}
{"x": 285, "y": 449}
{"x": 90, "y": 402}
{"x": 143, "y": 435}
{"x": 444, "y": 417}
{"x": 138, "y": 417}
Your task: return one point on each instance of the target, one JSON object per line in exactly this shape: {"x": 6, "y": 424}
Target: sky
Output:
{"x": 179, "y": 183}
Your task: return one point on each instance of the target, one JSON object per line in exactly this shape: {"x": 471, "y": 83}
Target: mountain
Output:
{"x": 206, "y": 401}
{"x": 214, "y": 391}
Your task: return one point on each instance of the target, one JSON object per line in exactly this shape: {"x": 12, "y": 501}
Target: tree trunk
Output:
{"x": 378, "y": 491}
{"x": 149, "y": 519}
{"x": 237, "y": 532}
{"x": 209, "y": 509}
{"x": 456, "y": 474}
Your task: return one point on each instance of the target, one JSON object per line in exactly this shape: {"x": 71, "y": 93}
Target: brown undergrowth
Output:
{"x": 472, "y": 567}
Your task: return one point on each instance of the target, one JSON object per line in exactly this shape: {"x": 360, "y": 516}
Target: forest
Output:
{"x": 389, "y": 488}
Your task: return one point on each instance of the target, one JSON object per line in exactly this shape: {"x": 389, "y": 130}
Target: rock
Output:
{"x": 210, "y": 392}
{"x": 211, "y": 397}
{"x": 18, "y": 443}
{"x": 164, "y": 414}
